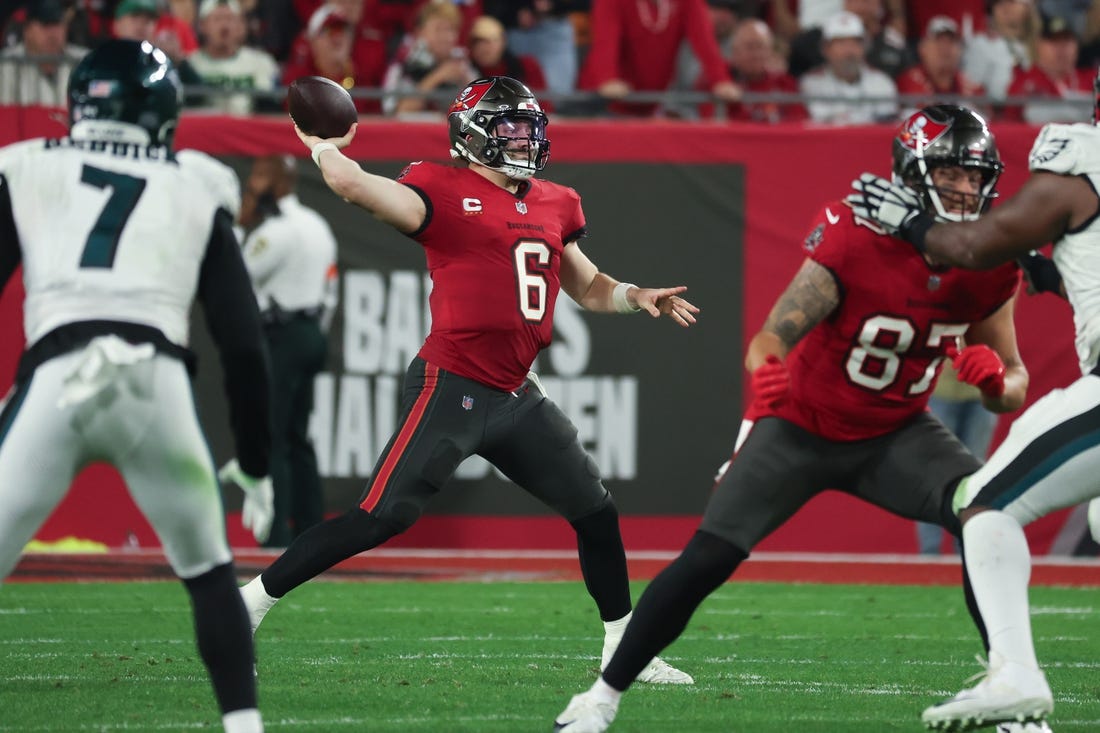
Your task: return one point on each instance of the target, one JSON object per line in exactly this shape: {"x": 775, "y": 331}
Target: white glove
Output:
{"x": 259, "y": 499}
{"x": 892, "y": 205}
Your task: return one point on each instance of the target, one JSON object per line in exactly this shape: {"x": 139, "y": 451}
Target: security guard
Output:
{"x": 290, "y": 253}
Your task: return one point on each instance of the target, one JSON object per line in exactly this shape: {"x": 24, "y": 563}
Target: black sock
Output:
{"x": 603, "y": 562}
{"x": 224, "y": 637}
{"x": 667, "y": 604}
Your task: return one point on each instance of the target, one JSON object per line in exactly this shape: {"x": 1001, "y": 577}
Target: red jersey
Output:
{"x": 494, "y": 258}
{"x": 870, "y": 366}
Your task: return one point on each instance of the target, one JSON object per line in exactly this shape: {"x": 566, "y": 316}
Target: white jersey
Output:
{"x": 1075, "y": 150}
{"x": 112, "y": 231}
{"x": 291, "y": 258}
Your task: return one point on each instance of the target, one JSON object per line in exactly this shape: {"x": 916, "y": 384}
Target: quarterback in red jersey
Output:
{"x": 842, "y": 371}
{"x": 500, "y": 245}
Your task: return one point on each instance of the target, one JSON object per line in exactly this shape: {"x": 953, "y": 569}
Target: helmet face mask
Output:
{"x": 128, "y": 82}
{"x": 497, "y": 122}
{"x": 947, "y": 136}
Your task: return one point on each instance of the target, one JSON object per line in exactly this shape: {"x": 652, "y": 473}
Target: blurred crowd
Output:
{"x": 826, "y": 61}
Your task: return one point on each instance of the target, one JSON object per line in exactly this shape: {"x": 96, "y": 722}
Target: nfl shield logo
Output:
{"x": 521, "y": 207}
{"x": 467, "y": 402}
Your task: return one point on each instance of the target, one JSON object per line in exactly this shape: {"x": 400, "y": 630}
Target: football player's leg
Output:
{"x": 38, "y": 458}
{"x": 1048, "y": 461}
{"x": 172, "y": 479}
{"x": 434, "y": 435}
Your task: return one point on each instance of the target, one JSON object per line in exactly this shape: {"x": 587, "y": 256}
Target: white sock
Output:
{"x": 243, "y": 721}
{"x": 613, "y": 634}
{"x": 999, "y": 563}
{"x": 257, "y": 601}
{"x": 604, "y": 692}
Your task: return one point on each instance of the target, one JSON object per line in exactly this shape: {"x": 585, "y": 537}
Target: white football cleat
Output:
{"x": 660, "y": 672}
{"x": 256, "y": 601}
{"x": 1036, "y": 727}
{"x": 586, "y": 714}
{"x": 1008, "y": 693}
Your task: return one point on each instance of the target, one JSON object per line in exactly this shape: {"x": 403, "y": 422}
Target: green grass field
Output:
{"x": 443, "y": 657}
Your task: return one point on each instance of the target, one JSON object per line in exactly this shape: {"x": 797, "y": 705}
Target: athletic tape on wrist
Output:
{"x": 618, "y": 297}
{"x": 318, "y": 149}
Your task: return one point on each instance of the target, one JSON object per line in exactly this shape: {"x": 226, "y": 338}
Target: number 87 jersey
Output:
{"x": 112, "y": 230}
{"x": 870, "y": 365}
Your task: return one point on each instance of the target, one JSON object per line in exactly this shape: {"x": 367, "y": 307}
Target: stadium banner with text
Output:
{"x": 722, "y": 209}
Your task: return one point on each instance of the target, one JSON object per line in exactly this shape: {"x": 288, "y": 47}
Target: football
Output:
{"x": 320, "y": 107}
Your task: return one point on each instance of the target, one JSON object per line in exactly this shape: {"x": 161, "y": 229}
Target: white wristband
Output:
{"x": 618, "y": 298}
{"x": 320, "y": 148}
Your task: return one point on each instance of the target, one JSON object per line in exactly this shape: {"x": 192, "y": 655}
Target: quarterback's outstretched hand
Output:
{"x": 771, "y": 381}
{"x": 892, "y": 205}
{"x": 981, "y": 366}
{"x": 259, "y": 499}
{"x": 666, "y": 301}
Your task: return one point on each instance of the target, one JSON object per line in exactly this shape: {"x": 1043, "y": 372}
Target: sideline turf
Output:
{"x": 443, "y": 657}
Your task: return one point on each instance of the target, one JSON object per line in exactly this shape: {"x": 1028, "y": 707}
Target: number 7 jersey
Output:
{"x": 870, "y": 366}
{"x": 494, "y": 258}
{"x": 112, "y": 231}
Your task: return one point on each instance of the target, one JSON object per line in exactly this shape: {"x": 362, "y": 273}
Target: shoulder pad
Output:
{"x": 1063, "y": 148}
{"x": 221, "y": 180}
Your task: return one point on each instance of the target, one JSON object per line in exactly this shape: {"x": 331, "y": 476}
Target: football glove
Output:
{"x": 771, "y": 381}
{"x": 1041, "y": 273}
{"x": 894, "y": 206}
{"x": 981, "y": 366}
{"x": 258, "y": 511}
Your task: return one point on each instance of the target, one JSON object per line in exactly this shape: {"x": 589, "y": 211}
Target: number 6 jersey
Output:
{"x": 871, "y": 365}
{"x": 494, "y": 258}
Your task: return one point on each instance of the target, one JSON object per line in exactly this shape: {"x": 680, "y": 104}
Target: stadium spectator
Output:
{"x": 634, "y": 48}
{"x": 224, "y": 61}
{"x": 136, "y": 20}
{"x": 491, "y": 56}
{"x": 845, "y": 90}
{"x": 886, "y": 49}
{"x": 44, "y": 29}
{"x": 398, "y": 18}
{"x": 174, "y": 32}
{"x": 939, "y": 71}
{"x": 841, "y": 371}
{"x": 469, "y": 389}
{"x": 334, "y": 47}
{"x": 970, "y": 15}
{"x": 431, "y": 61}
{"x": 753, "y": 67}
{"x": 1007, "y": 45}
{"x": 789, "y": 18}
{"x": 543, "y": 29}
{"x": 1054, "y": 76}
{"x": 724, "y": 17}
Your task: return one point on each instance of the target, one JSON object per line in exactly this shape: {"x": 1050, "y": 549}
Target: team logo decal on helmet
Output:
{"x": 946, "y": 135}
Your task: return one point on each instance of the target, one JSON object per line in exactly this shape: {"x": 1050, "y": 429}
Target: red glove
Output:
{"x": 979, "y": 365}
{"x": 771, "y": 381}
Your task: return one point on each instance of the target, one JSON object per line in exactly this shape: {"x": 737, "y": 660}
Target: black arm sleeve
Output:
{"x": 10, "y": 254}
{"x": 233, "y": 319}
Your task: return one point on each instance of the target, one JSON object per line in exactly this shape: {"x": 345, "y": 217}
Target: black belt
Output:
{"x": 276, "y": 316}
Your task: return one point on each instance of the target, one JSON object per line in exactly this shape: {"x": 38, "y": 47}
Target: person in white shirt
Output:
{"x": 990, "y": 57}
{"x": 224, "y": 61}
{"x": 845, "y": 90}
{"x": 290, "y": 253}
